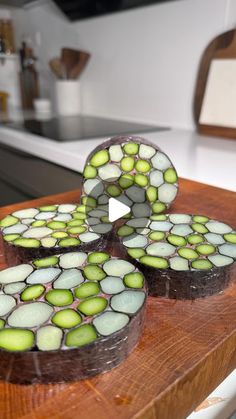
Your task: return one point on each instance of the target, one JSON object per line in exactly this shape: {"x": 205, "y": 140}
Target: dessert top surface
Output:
{"x": 67, "y": 301}
{"x": 180, "y": 242}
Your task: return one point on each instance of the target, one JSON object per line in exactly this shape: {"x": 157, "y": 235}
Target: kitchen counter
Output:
{"x": 186, "y": 350}
{"x": 204, "y": 159}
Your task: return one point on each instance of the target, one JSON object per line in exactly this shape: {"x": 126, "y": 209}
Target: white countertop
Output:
{"x": 204, "y": 159}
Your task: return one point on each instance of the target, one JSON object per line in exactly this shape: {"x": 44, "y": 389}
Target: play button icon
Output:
{"x": 116, "y": 209}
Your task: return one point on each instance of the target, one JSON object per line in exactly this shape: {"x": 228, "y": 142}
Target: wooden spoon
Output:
{"x": 57, "y": 68}
{"x": 69, "y": 58}
{"x": 80, "y": 66}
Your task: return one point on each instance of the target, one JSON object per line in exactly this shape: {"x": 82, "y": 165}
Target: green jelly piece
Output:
{"x": 47, "y": 208}
{"x": 11, "y": 237}
{"x": 94, "y": 273}
{"x": 75, "y": 223}
{"x": 113, "y": 190}
{"x": 77, "y": 230}
{"x": 92, "y": 306}
{"x": 59, "y": 234}
{"x": 43, "y": 263}
{"x": 90, "y": 172}
{"x": 89, "y": 201}
{"x": 154, "y": 262}
{"x": 206, "y": 249}
{"x": 22, "y": 242}
{"x": 79, "y": 216}
{"x": 142, "y": 166}
{"x": 8, "y": 221}
{"x": 187, "y": 253}
{"x": 100, "y": 158}
{"x": 156, "y": 235}
{"x": 32, "y": 293}
{"x": 83, "y": 208}
{"x": 176, "y": 240}
{"x": 158, "y": 207}
{"x": 67, "y": 318}
{"x": 141, "y": 180}
{"x": 105, "y": 219}
{"x": 69, "y": 242}
{"x": 195, "y": 239}
{"x": 170, "y": 175}
{"x": 126, "y": 181}
{"x": 230, "y": 237}
{"x": 98, "y": 257}
{"x": 125, "y": 231}
{"x": 2, "y": 323}
{"x": 127, "y": 164}
{"x": 202, "y": 264}
{"x": 87, "y": 290}
{"x": 151, "y": 194}
{"x": 157, "y": 217}
{"x": 38, "y": 223}
{"x": 199, "y": 228}
{"x": 59, "y": 297}
{"x": 131, "y": 148}
{"x": 56, "y": 225}
{"x": 16, "y": 339}
{"x": 81, "y": 336}
{"x": 200, "y": 219}
{"x": 134, "y": 280}
{"x": 136, "y": 253}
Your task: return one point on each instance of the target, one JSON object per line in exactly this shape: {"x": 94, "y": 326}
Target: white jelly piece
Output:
{"x": 30, "y": 315}
{"x": 15, "y": 274}
{"x": 26, "y": 213}
{"x": 43, "y": 276}
{"x": 128, "y": 301}
{"x": 110, "y": 322}
{"x": 72, "y": 260}
{"x": 118, "y": 267}
{"x": 160, "y": 161}
{"x": 135, "y": 240}
{"x": 6, "y": 304}
{"x": 68, "y": 279}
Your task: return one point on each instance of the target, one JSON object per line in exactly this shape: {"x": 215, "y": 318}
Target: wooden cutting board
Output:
{"x": 187, "y": 348}
{"x": 222, "y": 47}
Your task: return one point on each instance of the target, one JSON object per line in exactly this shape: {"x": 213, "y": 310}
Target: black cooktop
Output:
{"x": 74, "y": 128}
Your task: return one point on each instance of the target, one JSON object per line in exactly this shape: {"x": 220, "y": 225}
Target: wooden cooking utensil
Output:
{"x": 57, "y": 68}
{"x": 80, "y": 66}
{"x": 69, "y": 58}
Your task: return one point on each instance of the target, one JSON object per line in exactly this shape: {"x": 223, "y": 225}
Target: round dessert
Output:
{"x": 68, "y": 317}
{"x": 37, "y": 232}
{"x": 182, "y": 256}
{"x": 133, "y": 171}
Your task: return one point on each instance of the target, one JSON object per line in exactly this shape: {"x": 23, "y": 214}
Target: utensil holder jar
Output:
{"x": 67, "y": 97}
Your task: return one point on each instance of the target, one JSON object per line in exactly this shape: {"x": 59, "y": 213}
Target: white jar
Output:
{"x": 67, "y": 97}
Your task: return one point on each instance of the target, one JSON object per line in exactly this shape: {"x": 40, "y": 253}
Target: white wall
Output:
{"x": 144, "y": 61}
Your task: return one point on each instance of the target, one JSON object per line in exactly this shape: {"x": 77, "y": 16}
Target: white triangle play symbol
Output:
{"x": 117, "y": 209}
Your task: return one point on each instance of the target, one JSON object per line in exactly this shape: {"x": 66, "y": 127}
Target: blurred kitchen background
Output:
{"x": 73, "y": 73}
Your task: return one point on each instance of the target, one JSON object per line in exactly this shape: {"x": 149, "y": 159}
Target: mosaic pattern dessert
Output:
{"x": 50, "y": 229}
{"x": 134, "y": 171}
{"x": 182, "y": 256}
{"x": 68, "y": 317}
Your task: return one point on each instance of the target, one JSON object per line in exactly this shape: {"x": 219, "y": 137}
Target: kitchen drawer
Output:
{"x": 33, "y": 177}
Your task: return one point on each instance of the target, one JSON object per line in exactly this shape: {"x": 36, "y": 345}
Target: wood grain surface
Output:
{"x": 187, "y": 348}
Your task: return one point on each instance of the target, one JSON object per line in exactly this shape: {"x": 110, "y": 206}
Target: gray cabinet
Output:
{"x": 23, "y": 176}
